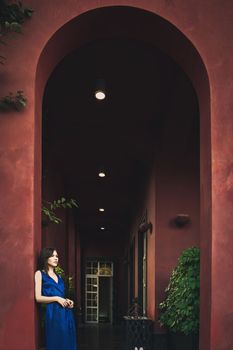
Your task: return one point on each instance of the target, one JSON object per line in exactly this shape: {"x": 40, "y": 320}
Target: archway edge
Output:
{"x": 103, "y": 22}
{"x": 167, "y": 36}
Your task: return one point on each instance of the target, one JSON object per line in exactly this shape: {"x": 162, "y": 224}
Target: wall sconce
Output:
{"x": 182, "y": 220}
{"x": 145, "y": 226}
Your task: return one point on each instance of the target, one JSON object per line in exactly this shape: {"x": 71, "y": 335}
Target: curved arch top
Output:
{"x": 135, "y": 22}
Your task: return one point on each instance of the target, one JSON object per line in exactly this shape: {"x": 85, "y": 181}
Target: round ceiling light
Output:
{"x": 101, "y": 174}
{"x": 100, "y": 95}
{"x": 102, "y": 228}
{"x": 101, "y": 209}
{"x": 100, "y": 89}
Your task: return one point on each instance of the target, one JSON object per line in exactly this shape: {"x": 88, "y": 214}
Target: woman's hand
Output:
{"x": 63, "y": 302}
{"x": 70, "y": 303}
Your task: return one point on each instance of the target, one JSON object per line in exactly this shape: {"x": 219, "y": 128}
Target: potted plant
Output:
{"x": 180, "y": 309}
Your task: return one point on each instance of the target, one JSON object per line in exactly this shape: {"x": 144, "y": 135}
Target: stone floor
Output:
{"x": 101, "y": 337}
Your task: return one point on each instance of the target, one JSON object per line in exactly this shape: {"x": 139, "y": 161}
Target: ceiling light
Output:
{"x": 102, "y": 228}
{"x": 101, "y": 174}
{"x": 100, "y": 95}
{"x": 100, "y": 89}
{"x": 101, "y": 209}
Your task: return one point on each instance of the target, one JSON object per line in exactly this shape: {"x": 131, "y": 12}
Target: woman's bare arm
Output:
{"x": 43, "y": 299}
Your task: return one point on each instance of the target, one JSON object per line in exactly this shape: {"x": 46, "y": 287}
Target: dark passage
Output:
{"x": 105, "y": 299}
{"x": 101, "y": 337}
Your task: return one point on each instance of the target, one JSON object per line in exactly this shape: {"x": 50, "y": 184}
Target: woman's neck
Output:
{"x": 50, "y": 270}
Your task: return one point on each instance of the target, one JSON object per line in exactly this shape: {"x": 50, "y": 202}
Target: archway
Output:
{"x": 160, "y": 33}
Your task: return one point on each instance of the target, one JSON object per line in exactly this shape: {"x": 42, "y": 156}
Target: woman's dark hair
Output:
{"x": 43, "y": 258}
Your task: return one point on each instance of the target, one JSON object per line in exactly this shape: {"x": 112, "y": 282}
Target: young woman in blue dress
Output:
{"x": 60, "y": 330}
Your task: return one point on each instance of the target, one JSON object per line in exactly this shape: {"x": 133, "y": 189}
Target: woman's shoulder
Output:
{"x": 38, "y": 273}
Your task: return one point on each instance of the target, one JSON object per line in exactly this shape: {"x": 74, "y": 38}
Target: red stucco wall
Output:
{"x": 175, "y": 194}
{"x": 63, "y": 236}
{"x": 208, "y": 25}
{"x": 55, "y": 235}
{"x": 173, "y": 188}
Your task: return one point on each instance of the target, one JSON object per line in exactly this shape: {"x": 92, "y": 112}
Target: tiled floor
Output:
{"x": 101, "y": 337}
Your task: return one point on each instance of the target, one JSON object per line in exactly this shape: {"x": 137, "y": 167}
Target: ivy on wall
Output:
{"x": 11, "y": 101}
{"x": 12, "y": 16}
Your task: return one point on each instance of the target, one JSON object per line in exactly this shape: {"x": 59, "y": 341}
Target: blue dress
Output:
{"x": 60, "y": 330}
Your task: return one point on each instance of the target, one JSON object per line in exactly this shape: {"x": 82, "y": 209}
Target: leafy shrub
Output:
{"x": 180, "y": 309}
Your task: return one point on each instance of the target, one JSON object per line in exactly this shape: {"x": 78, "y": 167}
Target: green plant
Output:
{"x": 16, "y": 102}
{"x": 12, "y": 16}
{"x": 68, "y": 281}
{"x": 180, "y": 309}
{"x": 48, "y": 211}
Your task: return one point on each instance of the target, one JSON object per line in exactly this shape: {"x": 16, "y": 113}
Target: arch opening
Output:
{"x": 172, "y": 83}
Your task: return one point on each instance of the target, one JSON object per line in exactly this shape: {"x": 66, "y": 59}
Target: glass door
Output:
{"x": 98, "y": 291}
{"x": 91, "y": 299}
{"x": 91, "y": 291}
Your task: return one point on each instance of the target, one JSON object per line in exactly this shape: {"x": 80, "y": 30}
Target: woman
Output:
{"x": 60, "y": 332}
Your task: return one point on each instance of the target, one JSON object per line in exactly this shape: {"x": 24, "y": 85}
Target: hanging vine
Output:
{"x": 49, "y": 208}
{"x": 12, "y": 16}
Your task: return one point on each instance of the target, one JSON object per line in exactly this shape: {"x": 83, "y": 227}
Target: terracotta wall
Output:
{"x": 173, "y": 188}
{"x": 177, "y": 192}
{"x": 55, "y": 235}
{"x": 71, "y": 243}
{"x": 63, "y": 236}
{"x": 147, "y": 206}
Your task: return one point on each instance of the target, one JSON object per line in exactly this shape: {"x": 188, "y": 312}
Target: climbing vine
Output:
{"x": 12, "y": 101}
{"x": 12, "y": 16}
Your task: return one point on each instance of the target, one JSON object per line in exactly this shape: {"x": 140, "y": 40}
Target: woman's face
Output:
{"x": 53, "y": 260}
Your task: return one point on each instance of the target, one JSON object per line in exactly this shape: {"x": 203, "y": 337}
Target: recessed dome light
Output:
{"x": 100, "y": 89}
{"x": 101, "y": 209}
{"x": 100, "y": 95}
{"x": 101, "y": 174}
{"x": 102, "y": 228}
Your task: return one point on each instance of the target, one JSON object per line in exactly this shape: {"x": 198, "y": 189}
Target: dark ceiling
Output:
{"x": 122, "y": 135}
